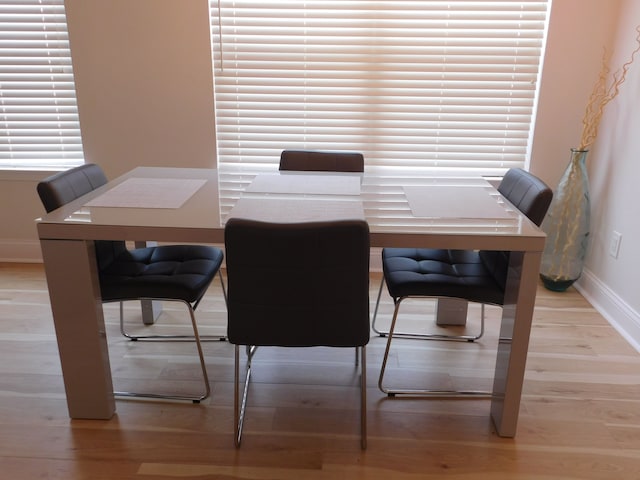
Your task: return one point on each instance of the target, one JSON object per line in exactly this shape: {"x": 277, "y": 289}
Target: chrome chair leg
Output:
{"x": 194, "y": 399}
{"x": 417, "y": 392}
{"x": 423, "y": 336}
{"x": 239, "y": 409}
{"x": 363, "y": 397}
{"x": 240, "y": 400}
{"x": 375, "y": 311}
{"x": 167, "y": 337}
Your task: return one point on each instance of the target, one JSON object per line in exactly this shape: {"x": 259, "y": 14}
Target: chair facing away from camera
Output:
{"x": 297, "y": 285}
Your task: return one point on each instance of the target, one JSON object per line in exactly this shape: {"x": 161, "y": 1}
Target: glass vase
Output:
{"x": 567, "y": 226}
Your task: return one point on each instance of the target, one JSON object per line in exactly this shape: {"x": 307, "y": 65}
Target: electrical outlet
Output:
{"x": 614, "y": 246}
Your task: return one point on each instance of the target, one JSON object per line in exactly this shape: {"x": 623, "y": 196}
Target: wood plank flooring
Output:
{"x": 580, "y": 412}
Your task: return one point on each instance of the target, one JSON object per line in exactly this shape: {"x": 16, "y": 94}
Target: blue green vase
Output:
{"x": 567, "y": 226}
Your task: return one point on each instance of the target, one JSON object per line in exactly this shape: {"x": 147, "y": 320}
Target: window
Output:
{"x": 39, "y": 125}
{"x": 420, "y": 84}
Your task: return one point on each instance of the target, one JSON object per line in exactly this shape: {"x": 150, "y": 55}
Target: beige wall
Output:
{"x": 144, "y": 82}
{"x": 614, "y": 168}
{"x": 579, "y": 30}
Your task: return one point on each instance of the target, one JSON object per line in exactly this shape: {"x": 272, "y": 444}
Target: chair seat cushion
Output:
{"x": 439, "y": 273}
{"x": 181, "y": 272}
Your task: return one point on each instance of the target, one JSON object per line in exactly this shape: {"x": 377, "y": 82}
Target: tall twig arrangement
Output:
{"x": 569, "y": 232}
{"x": 603, "y": 92}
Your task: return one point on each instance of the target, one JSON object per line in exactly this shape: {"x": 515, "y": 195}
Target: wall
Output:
{"x": 20, "y": 206}
{"x": 579, "y": 30}
{"x": 145, "y": 98}
{"x": 610, "y": 283}
{"x": 144, "y": 83}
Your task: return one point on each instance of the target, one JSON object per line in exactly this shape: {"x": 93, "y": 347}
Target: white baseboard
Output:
{"x": 20, "y": 251}
{"x": 615, "y": 310}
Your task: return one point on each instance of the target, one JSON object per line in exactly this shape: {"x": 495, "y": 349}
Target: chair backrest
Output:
{"x": 306, "y": 160}
{"x": 527, "y": 193}
{"x": 64, "y": 187}
{"x": 298, "y": 284}
{"x": 532, "y": 197}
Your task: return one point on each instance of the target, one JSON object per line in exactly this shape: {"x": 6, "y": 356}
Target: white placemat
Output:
{"x": 279, "y": 210}
{"x": 149, "y": 193}
{"x": 439, "y": 201}
{"x": 306, "y": 184}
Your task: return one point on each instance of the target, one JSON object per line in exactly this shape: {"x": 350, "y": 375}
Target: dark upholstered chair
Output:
{"x": 297, "y": 285}
{"x": 306, "y": 160}
{"x": 179, "y": 273}
{"x": 474, "y": 276}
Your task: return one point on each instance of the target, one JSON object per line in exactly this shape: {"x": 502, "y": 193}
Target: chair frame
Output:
{"x": 421, "y": 336}
{"x": 390, "y": 392}
{"x": 168, "y": 337}
{"x": 240, "y": 398}
{"x": 196, "y": 336}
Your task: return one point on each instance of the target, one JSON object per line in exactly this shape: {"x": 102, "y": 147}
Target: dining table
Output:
{"x": 404, "y": 208}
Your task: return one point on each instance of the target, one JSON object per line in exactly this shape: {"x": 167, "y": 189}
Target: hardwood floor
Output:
{"x": 580, "y": 412}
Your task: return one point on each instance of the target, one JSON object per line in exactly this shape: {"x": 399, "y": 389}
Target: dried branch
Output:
{"x": 602, "y": 95}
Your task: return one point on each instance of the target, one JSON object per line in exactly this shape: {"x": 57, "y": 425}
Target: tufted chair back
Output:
{"x": 307, "y": 160}
{"x": 532, "y": 197}
{"x": 298, "y": 284}
{"x": 64, "y": 187}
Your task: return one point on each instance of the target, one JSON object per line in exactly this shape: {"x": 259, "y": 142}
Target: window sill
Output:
{"x": 24, "y": 175}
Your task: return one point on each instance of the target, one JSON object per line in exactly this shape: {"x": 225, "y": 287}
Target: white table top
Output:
{"x": 402, "y": 210}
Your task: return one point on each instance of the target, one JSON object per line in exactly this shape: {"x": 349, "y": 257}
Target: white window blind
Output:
{"x": 39, "y": 125}
{"x": 421, "y": 84}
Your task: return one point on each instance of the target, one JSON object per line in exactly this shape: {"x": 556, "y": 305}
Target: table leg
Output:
{"x": 513, "y": 344}
{"x": 151, "y": 309}
{"x": 74, "y": 292}
{"x": 451, "y": 311}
